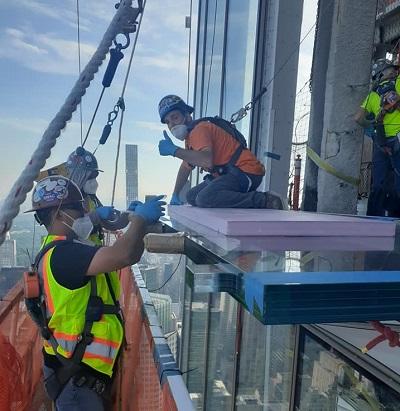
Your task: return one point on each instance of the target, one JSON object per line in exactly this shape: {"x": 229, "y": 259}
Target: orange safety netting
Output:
{"x": 137, "y": 386}
{"x": 20, "y": 359}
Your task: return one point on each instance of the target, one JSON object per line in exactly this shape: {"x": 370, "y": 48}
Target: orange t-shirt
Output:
{"x": 222, "y": 145}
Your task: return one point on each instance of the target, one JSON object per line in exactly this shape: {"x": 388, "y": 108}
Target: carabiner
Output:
{"x": 119, "y": 45}
{"x": 235, "y": 117}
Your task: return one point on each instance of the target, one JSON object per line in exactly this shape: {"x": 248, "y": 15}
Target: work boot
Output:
{"x": 274, "y": 201}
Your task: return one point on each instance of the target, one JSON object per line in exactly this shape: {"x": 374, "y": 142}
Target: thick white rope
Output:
{"x": 24, "y": 183}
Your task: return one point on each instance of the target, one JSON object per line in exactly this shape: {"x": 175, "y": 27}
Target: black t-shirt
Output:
{"x": 70, "y": 262}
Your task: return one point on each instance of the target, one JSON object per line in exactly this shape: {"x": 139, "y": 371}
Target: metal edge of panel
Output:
{"x": 367, "y": 363}
{"x": 164, "y": 361}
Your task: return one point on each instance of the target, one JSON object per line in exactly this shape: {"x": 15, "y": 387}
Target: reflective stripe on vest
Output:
{"x": 66, "y": 309}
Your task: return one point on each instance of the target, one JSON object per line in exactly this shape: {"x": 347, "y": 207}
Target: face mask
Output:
{"x": 82, "y": 226}
{"x": 180, "y": 131}
{"x": 90, "y": 187}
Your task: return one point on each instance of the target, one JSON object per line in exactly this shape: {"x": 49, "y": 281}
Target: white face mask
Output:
{"x": 82, "y": 226}
{"x": 180, "y": 131}
{"x": 90, "y": 187}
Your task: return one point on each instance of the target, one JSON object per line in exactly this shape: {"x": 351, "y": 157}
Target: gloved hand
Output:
{"x": 133, "y": 205}
{"x": 166, "y": 147}
{"x": 151, "y": 210}
{"x": 175, "y": 200}
{"x": 105, "y": 212}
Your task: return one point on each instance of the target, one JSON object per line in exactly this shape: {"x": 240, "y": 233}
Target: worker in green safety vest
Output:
{"x": 79, "y": 314}
{"x": 380, "y": 112}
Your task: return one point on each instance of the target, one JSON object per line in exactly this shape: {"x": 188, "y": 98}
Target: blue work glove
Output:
{"x": 105, "y": 212}
{"x": 166, "y": 147}
{"x": 175, "y": 200}
{"x": 133, "y": 205}
{"x": 151, "y": 210}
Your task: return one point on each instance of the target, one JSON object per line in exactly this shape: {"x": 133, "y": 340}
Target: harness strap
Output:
{"x": 224, "y": 168}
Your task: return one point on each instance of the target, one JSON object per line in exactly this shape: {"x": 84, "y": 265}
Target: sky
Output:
{"x": 39, "y": 66}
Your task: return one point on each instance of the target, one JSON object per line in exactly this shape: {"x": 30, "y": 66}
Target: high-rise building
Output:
{"x": 131, "y": 164}
{"x": 8, "y": 252}
{"x": 163, "y": 306}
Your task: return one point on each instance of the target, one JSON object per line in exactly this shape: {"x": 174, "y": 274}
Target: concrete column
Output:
{"x": 318, "y": 82}
{"x": 278, "y": 43}
{"x": 348, "y": 66}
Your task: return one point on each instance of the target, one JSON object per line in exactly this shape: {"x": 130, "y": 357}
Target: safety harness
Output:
{"x": 389, "y": 102}
{"x": 234, "y": 132}
{"x": 36, "y": 306}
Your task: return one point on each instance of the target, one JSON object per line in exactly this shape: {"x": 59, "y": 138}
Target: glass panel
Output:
{"x": 164, "y": 277}
{"x": 213, "y": 57}
{"x": 327, "y": 381}
{"x": 197, "y": 348}
{"x": 221, "y": 352}
{"x": 266, "y": 362}
{"x": 239, "y": 64}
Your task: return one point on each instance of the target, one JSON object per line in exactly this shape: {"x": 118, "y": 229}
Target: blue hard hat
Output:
{"x": 81, "y": 166}
{"x": 170, "y": 103}
{"x": 379, "y": 66}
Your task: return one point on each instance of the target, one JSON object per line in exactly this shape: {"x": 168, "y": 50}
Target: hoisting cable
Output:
{"x": 79, "y": 62}
{"x": 24, "y": 183}
{"x": 121, "y": 102}
{"x": 242, "y": 112}
{"x": 116, "y": 56}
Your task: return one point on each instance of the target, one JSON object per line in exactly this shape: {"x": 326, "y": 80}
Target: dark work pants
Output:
{"x": 73, "y": 398}
{"x": 228, "y": 191}
{"x": 385, "y": 178}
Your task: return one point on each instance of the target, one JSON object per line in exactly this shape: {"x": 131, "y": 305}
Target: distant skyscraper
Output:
{"x": 131, "y": 162}
{"x": 163, "y": 306}
{"x": 8, "y": 253}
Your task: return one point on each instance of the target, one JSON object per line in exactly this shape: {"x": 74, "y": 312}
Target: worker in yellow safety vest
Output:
{"x": 379, "y": 114}
{"x": 81, "y": 322}
{"x": 82, "y": 168}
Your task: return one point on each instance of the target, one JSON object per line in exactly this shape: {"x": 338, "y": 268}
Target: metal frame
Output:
{"x": 295, "y": 368}
{"x": 203, "y": 51}
{"x": 238, "y": 344}
{"x": 223, "y": 75}
{"x": 258, "y": 78}
{"x": 206, "y": 344}
{"x": 365, "y": 362}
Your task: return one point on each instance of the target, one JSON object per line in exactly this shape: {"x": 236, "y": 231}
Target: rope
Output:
{"x": 93, "y": 116}
{"x": 24, "y": 183}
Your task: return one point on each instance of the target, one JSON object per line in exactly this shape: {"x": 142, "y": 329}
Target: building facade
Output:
{"x": 238, "y": 63}
{"x": 8, "y": 252}
{"x": 131, "y": 165}
{"x": 231, "y": 360}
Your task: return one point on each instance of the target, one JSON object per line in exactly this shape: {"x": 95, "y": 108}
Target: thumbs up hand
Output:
{"x": 166, "y": 147}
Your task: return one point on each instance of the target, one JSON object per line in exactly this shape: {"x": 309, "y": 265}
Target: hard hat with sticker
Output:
{"x": 53, "y": 191}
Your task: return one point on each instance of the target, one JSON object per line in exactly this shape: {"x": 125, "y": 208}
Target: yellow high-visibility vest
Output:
{"x": 66, "y": 312}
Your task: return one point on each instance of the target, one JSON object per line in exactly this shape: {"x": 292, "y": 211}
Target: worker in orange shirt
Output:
{"x": 217, "y": 147}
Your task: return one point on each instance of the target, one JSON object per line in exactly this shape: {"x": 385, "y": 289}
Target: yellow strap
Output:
{"x": 329, "y": 169}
